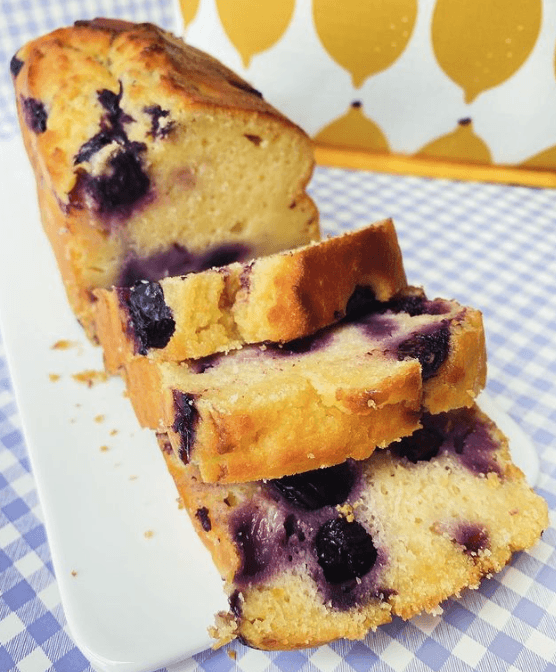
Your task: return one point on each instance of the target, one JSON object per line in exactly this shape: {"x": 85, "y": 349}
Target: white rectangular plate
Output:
{"x": 138, "y": 588}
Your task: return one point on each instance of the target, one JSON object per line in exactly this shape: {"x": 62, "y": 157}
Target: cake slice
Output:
{"x": 152, "y": 159}
{"x": 274, "y": 409}
{"x": 337, "y": 552}
{"x": 276, "y": 298}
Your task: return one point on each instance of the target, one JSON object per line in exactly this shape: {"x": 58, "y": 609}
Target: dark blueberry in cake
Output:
{"x": 203, "y": 517}
{"x": 256, "y": 550}
{"x": 345, "y": 550}
{"x": 472, "y": 537}
{"x": 422, "y": 445}
{"x": 15, "y": 66}
{"x": 430, "y": 348}
{"x": 361, "y": 302}
{"x": 185, "y": 422}
{"x": 151, "y": 321}
{"x": 124, "y": 185}
{"x": 156, "y": 113}
{"x": 35, "y": 114}
{"x": 315, "y": 489}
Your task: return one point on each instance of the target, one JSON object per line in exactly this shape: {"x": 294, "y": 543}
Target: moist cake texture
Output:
{"x": 270, "y": 410}
{"x": 337, "y": 552}
{"x": 152, "y": 159}
{"x": 277, "y": 298}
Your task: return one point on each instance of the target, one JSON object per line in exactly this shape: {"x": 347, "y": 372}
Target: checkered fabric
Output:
{"x": 490, "y": 246}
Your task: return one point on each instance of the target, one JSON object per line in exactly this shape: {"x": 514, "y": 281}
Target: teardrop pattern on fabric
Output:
{"x": 189, "y": 10}
{"x": 254, "y": 26}
{"x": 481, "y": 43}
{"x": 462, "y": 144}
{"x": 545, "y": 159}
{"x": 354, "y": 130}
{"x": 364, "y": 37}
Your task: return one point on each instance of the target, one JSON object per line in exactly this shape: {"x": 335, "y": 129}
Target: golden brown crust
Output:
{"x": 196, "y": 132}
{"x": 426, "y": 518}
{"x": 279, "y": 298}
{"x": 259, "y": 413}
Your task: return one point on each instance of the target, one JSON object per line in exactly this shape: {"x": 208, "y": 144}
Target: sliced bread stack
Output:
{"x": 315, "y": 412}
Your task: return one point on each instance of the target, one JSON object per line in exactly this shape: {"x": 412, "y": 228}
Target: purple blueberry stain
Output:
{"x": 177, "y": 260}
{"x": 303, "y": 345}
{"x": 15, "y": 66}
{"x": 472, "y": 538}
{"x": 430, "y": 347}
{"x": 315, "y": 489}
{"x": 458, "y": 433}
{"x": 151, "y": 323}
{"x": 35, "y": 114}
{"x": 158, "y": 115}
{"x": 361, "y": 302}
{"x": 421, "y": 446}
{"x": 186, "y": 417}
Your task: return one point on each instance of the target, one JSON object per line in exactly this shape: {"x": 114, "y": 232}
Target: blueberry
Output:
{"x": 125, "y": 183}
{"x": 186, "y": 418}
{"x": 203, "y": 517}
{"x": 315, "y": 489}
{"x": 157, "y": 113}
{"x": 361, "y": 302}
{"x": 15, "y": 66}
{"x": 430, "y": 348}
{"x": 422, "y": 445}
{"x": 151, "y": 320}
{"x": 35, "y": 114}
{"x": 345, "y": 550}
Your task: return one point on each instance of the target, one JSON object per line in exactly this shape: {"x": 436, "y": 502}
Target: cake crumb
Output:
{"x": 73, "y": 572}
{"x": 99, "y": 418}
{"x": 63, "y": 344}
{"x": 232, "y": 653}
{"x": 133, "y": 477}
{"x": 113, "y": 432}
{"x": 90, "y": 377}
{"x": 54, "y": 377}
{"x": 104, "y": 449}
{"x": 148, "y": 534}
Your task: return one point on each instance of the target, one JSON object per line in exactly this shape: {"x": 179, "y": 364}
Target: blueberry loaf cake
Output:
{"x": 337, "y": 552}
{"x": 270, "y": 410}
{"x": 276, "y": 298}
{"x": 152, "y": 159}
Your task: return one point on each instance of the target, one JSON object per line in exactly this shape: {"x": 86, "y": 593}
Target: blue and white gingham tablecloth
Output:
{"x": 490, "y": 246}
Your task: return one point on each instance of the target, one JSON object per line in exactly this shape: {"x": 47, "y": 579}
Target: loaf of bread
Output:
{"x": 269, "y": 410}
{"x": 276, "y": 298}
{"x": 337, "y": 552}
{"x": 152, "y": 159}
